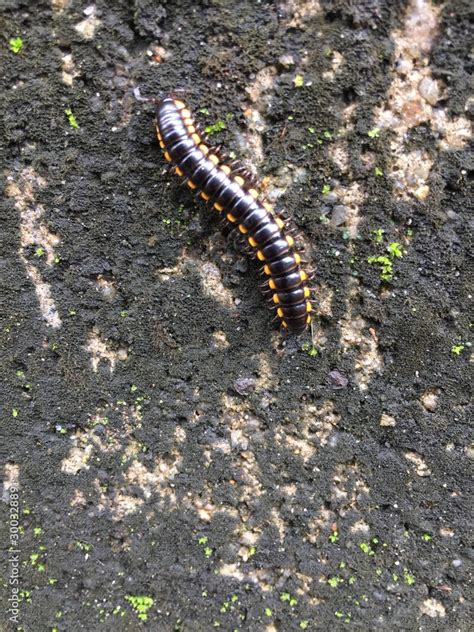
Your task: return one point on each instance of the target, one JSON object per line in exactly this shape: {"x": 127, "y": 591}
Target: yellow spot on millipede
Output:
{"x": 191, "y": 129}
{"x": 204, "y": 149}
{"x": 185, "y": 113}
{"x": 268, "y": 207}
{"x": 297, "y": 258}
{"x": 225, "y": 169}
{"x": 242, "y": 228}
{"x": 196, "y": 138}
{"x": 253, "y": 193}
{"x": 214, "y": 159}
{"x": 231, "y": 218}
{"x": 178, "y": 171}
{"x": 260, "y": 255}
{"x": 308, "y": 320}
{"x": 303, "y": 275}
{"x": 162, "y": 145}
{"x": 180, "y": 105}
{"x": 271, "y": 284}
{"x": 284, "y": 323}
{"x": 279, "y": 222}
{"x": 307, "y": 292}
{"x": 290, "y": 241}
{"x": 191, "y": 184}
{"x": 275, "y": 298}
{"x": 218, "y": 207}
{"x": 267, "y": 270}
{"x": 188, "y": 121}
{"x": 280, "y": 312}
{"x": 204, "y": 196}
{"x": 252, "y": 242}
{"x": 308, "y": 307}
{"x": 167, "y": 156}
{"x": 240, "y": 181}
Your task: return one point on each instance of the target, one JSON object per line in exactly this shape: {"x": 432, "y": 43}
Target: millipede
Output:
{"x": 233, "y": 193}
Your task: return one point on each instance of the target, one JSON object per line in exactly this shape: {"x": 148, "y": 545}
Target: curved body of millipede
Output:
{"x": 230, "y": 192}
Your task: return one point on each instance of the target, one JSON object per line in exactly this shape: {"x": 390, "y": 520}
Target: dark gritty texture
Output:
{"x": 119, "y": 215}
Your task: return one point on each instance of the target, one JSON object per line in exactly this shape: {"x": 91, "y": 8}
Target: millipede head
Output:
{"x": 179, "y": 93}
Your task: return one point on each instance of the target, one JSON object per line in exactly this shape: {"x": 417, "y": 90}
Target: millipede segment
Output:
{"x": 237, "y": 200}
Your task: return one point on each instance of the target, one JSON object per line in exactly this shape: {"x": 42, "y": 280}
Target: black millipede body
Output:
{"x": 229, "y": 192}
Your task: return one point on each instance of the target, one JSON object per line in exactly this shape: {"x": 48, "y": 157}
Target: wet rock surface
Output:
{"x": 177, "y": 460}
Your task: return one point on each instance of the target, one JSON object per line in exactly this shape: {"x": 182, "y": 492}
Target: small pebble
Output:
{"x": 387, "y": 420}
{"x": 433, "y": 608}
{"x": 338, "y": 215}
{"x": 403, "y": 66}
{"x": 286, "y": 60}
{"x": 338, "y": 379}
{"x": 244, "y": 385}
{"x": 108, "y": 292}
{"x": 429, "y": 399}
{"x": 241, "y": 265}
{"x": 429, "y": 90}
{"x": 237, "y": 440}
{"x": 331, "y": 198}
